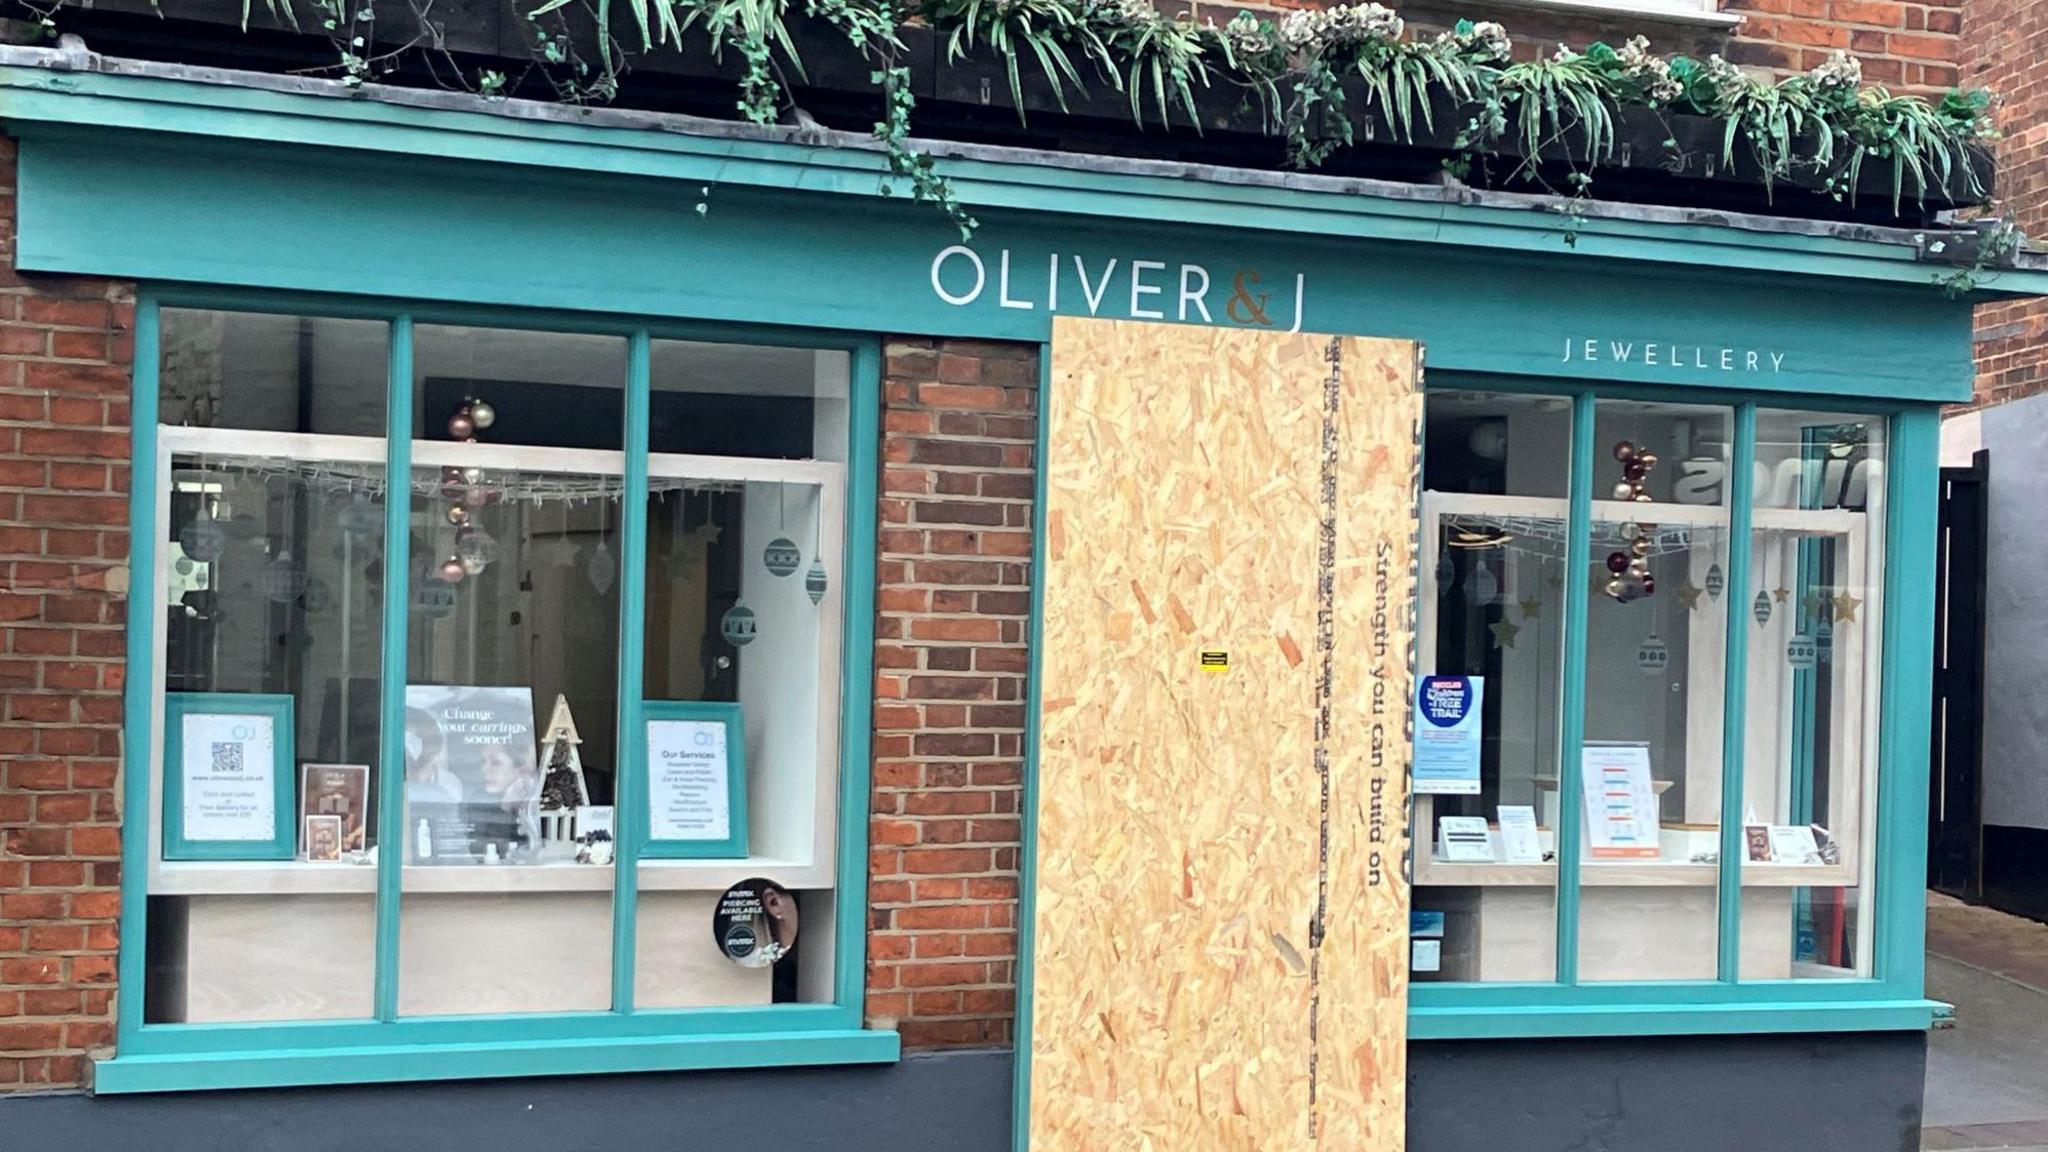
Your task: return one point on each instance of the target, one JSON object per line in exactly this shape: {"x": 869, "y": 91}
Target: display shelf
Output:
{"x": 1431, "y": 872}
{"x": 301, "y": 877}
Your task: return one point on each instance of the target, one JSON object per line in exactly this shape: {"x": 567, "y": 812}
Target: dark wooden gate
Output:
{"x": 1955, "y": 810}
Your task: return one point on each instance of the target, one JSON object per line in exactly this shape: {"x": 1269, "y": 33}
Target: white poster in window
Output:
{"x": 229, "y": 777}
{"x": 1448, "y": 729}
{"x": 1621, "y": 802}
{"x": 687, "y": 780}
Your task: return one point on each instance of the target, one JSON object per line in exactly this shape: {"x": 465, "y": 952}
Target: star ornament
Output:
{"x": 1530, "y": 608}
{"x": 1504, "y": 633}
{"x": 1780, "y": 593}
{"x": 1689, "y": 596}
{"x": 1845, "y": 607}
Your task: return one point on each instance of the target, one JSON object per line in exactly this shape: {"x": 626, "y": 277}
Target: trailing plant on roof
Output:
{"x": 1319, "y": 79}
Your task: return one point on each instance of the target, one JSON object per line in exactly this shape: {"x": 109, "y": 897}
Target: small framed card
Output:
{"x": 1757, "y": 838}
{"x": 339, "y": 790}
{"x": 323, "y": 838}
{"x": 696, "y": 781}
{"x": 1464, "y": 839}
{"x": 1794, "y": 844}
{"x": 228, "y": 787}
{"x": 1518, "y": 836}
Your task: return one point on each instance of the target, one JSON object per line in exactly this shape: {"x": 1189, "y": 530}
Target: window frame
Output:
{"x": 386, "y": 1047}
{"x": 1892, "y": 995}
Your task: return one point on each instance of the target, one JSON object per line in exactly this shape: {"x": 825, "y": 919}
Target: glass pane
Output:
{"x": 743, "y": 609}
{"x": 1810, "y": 761}
{"x": 512, "y": 673}
{"x": 1496, "y": 471}
{"x": 262, "y": 884}
{"x": 1656, "y": 638}
{"x": 274, "y": 373}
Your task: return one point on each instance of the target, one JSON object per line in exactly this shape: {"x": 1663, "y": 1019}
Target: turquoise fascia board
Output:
{"x": 1487, "y": 1023}
{"x": 452, "y": 236}
{"x": 30, "y": 96}
{"x": 397, "y": 1063}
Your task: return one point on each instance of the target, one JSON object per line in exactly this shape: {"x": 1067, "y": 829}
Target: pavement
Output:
{"x": 1987, "y": 1077}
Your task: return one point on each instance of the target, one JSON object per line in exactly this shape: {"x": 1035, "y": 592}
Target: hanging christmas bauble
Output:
{"x": 1631, "y": 589}
{"x": 1634, "y": 470}
{"x": 782, "y": 557}
{"x": 1649, "y": 585}
{"x": 1715, "y": 581}
{"x": 1653, "y": 657}
{"x": 1762, "y": 608}
{"x": 203, "y": 540}
{"x": 1648, "y": 459}
{"x": 452, "y": 570}
{"x": 461, "y": 427}
{"x": 477, "y": 549}
{"x": 458, "y": 515}
{"x": 282, "y": 580}
{"x": 1617, "y": 562}
{"x": 482, "y": 415}
{"x": 317, "y": 597}
{"x": 738, "y": 626}
{"x": 814, "y": 581}
{"x": 1446, "y": 573}
{"x": 1623, "y": 490}
{"x": 360, "y": 516}
{"x": 1642, "y": 497}
{"x": 472, "y": 476}
{"x": 1639, "y": 567}
{"x": 435, "y": 598}
{"x": 1640, "y": 546}
{"x": 1624, "y": 450}
{"x": 476, "y": 497}
{"x": 600, "y": 569}
{"x": 1485, "y": 585}
{"x": 1614, "y": 587}
{"x": 1801, "y": 651}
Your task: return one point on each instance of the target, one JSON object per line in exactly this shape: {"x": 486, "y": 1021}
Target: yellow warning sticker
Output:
{"x": 1215, "y": 660}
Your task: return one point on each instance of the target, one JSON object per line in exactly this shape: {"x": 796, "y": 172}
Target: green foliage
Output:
{"x": 1314, "y": 76}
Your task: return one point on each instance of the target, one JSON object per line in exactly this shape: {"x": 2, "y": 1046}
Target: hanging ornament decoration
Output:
{"x": 482, "y": 415}
{"x": 814, "y": 581}
{"x": 1824, "y": 642}
{"x": 1446, "y": 573}
{"x": 1485, "y": 585}
{"x": 452, "y": 571}
{"x": 1654, "y": 657}
{"x": 202, "y": 539}
{"x": 317, "y": 597}
{"x": 1715, "y": 581}
{"x": 1762, "y": 607}
{"x": 435, "y": 597}
{"x": 458, "y": 515}
{"x": 1801, "y": 651}
{"x": 1846, "y": 606}
{"x": 476, "y": 548}
{"x": 1629, "y": 576}
{"x": 782, "y": 557}
{"x": 738, "y": 626}
{"x": 600, "y": 569}
{"x": 1504, "y": 633}
{"x": 282, "y": 580}
{"x": 1531, "y": 608}
{"x": 360, "y": 516}
{"x": 1689, "y": 595}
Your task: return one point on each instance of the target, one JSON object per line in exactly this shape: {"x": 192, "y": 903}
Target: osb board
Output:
{"x": 1195, "y": 826}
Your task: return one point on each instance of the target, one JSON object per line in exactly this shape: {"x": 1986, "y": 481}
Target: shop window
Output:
{"x": 1496, "y": 473}
{"x": 1656, "y": 626}
{"x": 1677, "y": 567}
{"x": 605, "y": 667}
{"x": 1809, "y": 791}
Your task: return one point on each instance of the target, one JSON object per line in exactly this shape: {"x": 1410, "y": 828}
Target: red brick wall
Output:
{"x": 65, "y": 349}
{"x": 952, "y": 606}
{"x": 2005, "y": 48}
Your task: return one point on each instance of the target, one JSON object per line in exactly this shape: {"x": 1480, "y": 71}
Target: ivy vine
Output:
{"x": 1313, "y": 78}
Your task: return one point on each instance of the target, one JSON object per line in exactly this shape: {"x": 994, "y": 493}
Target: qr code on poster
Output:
{"x": 227, "y": 756}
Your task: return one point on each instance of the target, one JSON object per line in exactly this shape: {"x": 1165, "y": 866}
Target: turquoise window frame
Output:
{"x": 283, "y": 842}
{"x": 735, "y": 844}
{"x": 385, "y": 1047}
{"x": 1892, "y": 996}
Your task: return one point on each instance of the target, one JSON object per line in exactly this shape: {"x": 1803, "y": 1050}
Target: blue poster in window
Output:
{"x": 1447, "y": 732}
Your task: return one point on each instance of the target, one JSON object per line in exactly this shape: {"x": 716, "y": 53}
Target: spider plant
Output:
{"x": 1009, "y": 29}
{"x": 1553, "y": 97}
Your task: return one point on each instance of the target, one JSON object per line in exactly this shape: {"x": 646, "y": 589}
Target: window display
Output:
{"x": 515, "y": 729}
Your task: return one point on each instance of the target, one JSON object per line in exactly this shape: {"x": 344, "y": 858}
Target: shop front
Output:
{"x": 589, "y": 570}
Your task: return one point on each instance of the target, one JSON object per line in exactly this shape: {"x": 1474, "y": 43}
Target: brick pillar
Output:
{"x": 952, "y": 609}
{"x": 65, "y": 350}
{"x": 2002, "y": 52}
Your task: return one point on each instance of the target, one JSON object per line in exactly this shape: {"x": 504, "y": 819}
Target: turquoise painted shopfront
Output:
{"x": 1789, "y": 374}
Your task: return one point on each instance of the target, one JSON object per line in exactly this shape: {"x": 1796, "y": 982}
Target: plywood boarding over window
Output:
{"x": 1250, "y": 494}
